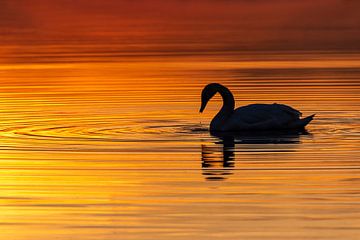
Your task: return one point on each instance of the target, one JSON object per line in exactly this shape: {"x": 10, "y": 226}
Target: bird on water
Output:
{"x": 253, "y": 117}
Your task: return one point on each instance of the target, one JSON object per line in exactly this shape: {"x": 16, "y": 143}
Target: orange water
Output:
{"x": 114, "y": 148}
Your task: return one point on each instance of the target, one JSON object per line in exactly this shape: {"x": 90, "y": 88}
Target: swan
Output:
{"x": 253, "y": 117}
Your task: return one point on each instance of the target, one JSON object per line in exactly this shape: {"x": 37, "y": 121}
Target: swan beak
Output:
{"x": 202, "y": 108}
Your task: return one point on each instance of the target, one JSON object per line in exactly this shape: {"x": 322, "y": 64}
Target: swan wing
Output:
{"x": 264, "y": 116}
{"x": 262, "y": 112}
{"x": 288, "y": 110}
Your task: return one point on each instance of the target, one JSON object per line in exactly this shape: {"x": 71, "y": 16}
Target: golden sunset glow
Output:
{"x": 101, "y": 136}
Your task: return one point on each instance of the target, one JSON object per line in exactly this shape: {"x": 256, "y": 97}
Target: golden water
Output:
{"x": 114, "y": 148}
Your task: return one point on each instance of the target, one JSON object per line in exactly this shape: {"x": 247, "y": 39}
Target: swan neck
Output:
{"x": 219, "y": 121}
{"x": 228, "y": 101}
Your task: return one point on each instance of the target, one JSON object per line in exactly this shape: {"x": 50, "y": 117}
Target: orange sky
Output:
{"x": 183, "y": 25}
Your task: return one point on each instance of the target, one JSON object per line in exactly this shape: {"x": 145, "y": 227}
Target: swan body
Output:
{"x": 251, "y": 117}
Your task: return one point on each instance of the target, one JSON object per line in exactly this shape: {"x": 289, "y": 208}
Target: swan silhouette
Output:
{"x": 253, "y": 117}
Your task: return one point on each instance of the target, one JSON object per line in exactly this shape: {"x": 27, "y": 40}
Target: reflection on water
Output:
{"x": 111, "y": 149}
{"x": 218, "y": 162}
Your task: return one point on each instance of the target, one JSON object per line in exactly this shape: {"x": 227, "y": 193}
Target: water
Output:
{"x": 114, "y": 148}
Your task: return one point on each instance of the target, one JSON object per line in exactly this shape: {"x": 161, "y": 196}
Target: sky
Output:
{"x": 181, "y": 25}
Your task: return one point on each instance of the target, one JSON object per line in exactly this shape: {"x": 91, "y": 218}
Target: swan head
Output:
{"x": 207, "y": 93}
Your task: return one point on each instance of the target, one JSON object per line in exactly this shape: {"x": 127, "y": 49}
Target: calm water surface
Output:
{"x": 114, "y": 148}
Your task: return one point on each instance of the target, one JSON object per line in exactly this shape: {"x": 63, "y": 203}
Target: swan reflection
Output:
{"x": 218, "y": 159}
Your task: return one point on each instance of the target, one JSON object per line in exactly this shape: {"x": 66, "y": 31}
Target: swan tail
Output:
{"x": 301, "y": 123}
